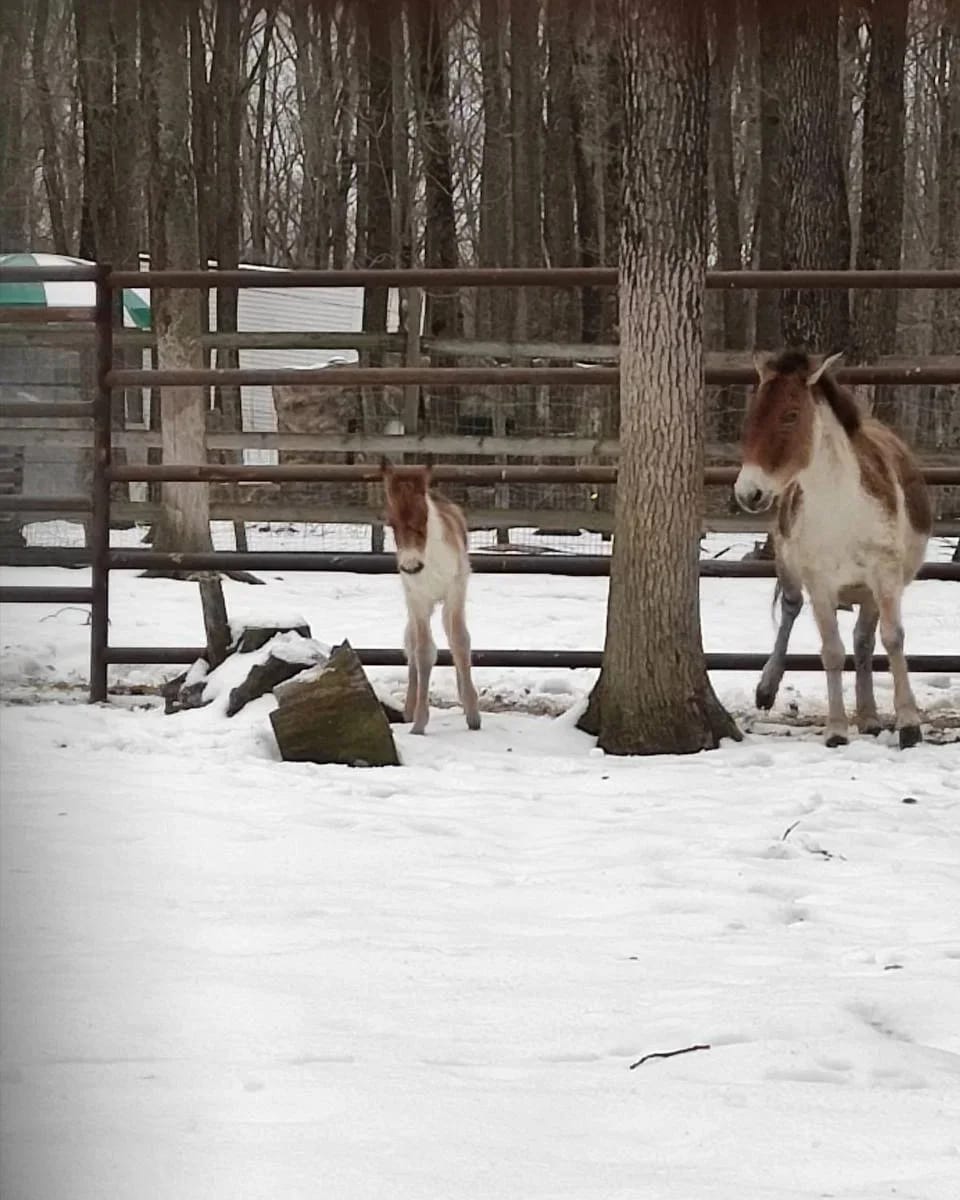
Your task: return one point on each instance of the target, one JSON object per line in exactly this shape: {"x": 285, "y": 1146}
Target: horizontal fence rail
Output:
{"x": 389, "y": 657}
{"x": 341, "y": 377}
{"x": 442, "y": 277}
{"x": 370, "y": 473}
{"x": 45, "y": 595}
{"x": 482, "y": 564}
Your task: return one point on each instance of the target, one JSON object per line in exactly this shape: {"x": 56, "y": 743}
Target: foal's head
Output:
{"x": 778, "y": 435}
{"x": 406, "y": 493}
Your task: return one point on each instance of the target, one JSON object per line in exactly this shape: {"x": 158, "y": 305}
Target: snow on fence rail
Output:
{"x": 103, "y": 559}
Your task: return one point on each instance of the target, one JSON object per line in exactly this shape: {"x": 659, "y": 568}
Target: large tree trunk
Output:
{"x": 654, "y": 695}
{"x": 526, "y": 132}
{"x": 496, "y": 211}
{"x": 558, "y": 182}
{"x": 185, "y": 518}
{"x": 428, "y": 42}
{"x": 881, "y": 199}
{"x": 587, "y": 179}
{"x": 946, "y": 311}
{"x": 769, "y": 239}
{"x": 52, "y": 173}
{"x": 816, "y": 219}
{"x": 730, "y": 402}
{"x": 14, "y": 169}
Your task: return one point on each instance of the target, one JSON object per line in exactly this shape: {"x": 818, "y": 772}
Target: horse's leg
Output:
{"x": 864, "y": 638}
{"x": 891, "y": 634}
{"x": 458, "y": 638}
{"x": 832, "y": 655}
{"x": 791, "y": 601}
{"x": 410, "y": 646}
{"x": 425, "y": 655}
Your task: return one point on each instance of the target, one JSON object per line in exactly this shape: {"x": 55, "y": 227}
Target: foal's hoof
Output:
{"x": 419, "y": 729}
{"x": 836, "y": 739}
{"x": 473, "y": 720}
{"x": 910, "y": 735}
{"x": 871, "y": 728}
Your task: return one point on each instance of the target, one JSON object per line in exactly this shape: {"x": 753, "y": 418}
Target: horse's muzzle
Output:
{"x": 411, "y": 568}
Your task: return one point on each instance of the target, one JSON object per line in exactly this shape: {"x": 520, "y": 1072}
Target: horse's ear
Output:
{"x": 814, "y": 376}
{"x": 762, "y": 367}
{"x": 386, "y": 467}
{"x": 428, "y": 461}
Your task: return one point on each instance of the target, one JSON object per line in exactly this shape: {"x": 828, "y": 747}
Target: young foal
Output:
{"x": 431, "y": 538}
{"x": 852, "y": 527}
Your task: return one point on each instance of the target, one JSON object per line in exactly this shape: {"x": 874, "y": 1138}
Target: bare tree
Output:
{"x": 816, "y": 218}
{"x": 653, "y": 695}
{"x": 559, "y": 228}
{"x": 14, "y": 167}
{"x": 946, "y": 312}
{"x": 496, "y": 209}
{"x": 881, "y": 193}
{"x": 726, "y": 198}
{"x": 769, "y": 243}
{"x": 428, "y": 45}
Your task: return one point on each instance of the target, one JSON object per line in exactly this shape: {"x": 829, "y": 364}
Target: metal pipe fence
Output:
{"x": 103, "y": 559}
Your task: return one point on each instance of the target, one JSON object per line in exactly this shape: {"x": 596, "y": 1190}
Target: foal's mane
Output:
{"x": 842, "y": 403}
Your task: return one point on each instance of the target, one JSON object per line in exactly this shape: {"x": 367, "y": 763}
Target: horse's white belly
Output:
{"x": 824, "y": 546}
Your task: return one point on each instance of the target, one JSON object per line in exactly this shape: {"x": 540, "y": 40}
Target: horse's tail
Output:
{"x": 777, "y": 593}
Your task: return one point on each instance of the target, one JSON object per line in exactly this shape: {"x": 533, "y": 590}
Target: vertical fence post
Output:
{"x": 100, "y": 524}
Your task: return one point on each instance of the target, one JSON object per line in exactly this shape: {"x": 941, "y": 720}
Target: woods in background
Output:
{"x": 489, "y": 132}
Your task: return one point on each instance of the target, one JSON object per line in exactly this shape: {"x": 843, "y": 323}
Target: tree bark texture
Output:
{"x": 496, "y": 206}
{"x": 428, "y": 40}
{"x": 767, "y": 336}
{"x": 881, "y": 196}
{"x": 559, "y": 218}
{"x": 526, "y": 133}
{"x": 654, "y": 695}
{"x": 816, "y": 219}
{"x": 726, "y": 202}
{"x": 946, "y": 310}
{"x": 185, "y": 519}
{"x": 14, "y": 169}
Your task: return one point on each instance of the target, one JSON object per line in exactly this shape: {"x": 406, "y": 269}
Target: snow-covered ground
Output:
{"x": 228, "y": 977}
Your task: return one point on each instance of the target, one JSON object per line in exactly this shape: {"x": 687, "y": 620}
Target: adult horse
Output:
{"x": 853, "y": 522}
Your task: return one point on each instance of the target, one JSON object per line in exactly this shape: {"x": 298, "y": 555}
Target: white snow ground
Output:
{"x": 228, "y": 977}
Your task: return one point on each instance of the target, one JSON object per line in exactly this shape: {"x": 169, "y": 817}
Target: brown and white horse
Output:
{"x": 432, "y": 554}
{"x": 853, "y": 521}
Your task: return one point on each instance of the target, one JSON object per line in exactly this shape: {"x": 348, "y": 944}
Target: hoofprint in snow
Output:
{"x": 227, "y": 976}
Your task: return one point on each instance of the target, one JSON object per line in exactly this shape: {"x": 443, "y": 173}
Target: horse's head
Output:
{"x": 778, "y": 435}
{"x": 406, "y": 490}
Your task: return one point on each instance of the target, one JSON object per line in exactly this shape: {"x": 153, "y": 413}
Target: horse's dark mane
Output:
{"x": 842, "y": 403}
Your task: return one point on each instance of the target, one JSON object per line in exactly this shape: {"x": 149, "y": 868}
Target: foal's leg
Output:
{"x": 891, "y": 634}
{"x": 458, "y": 638}
{"x": 791, "y": 601}
{"x": 831, "y": 652}
{"x": 424, "y": 655}
{"x": 864, "y": 638}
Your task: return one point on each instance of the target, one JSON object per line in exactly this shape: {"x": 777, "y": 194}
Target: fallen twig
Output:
{"x": 790, "y": 828}
{"x": 666, "y": 1054}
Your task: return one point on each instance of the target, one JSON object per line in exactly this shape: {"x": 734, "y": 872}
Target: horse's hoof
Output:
{"x": 836, "y": 739}
{"x": 766, "y": 697}
{"x": 419, "y": 730}
{"x": 473, "y": 721}
{"x": 871, "y": 728}
{"x": 910, "y": 735}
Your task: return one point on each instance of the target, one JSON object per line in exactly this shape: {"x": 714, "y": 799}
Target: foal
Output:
{"x": 853, "y": 522}
{"x": 431, "y": 538}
